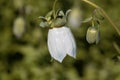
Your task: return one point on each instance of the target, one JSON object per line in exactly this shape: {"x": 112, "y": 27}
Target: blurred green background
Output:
{"x": 27, "y": 57}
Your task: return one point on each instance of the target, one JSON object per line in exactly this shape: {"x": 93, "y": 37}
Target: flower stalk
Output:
{"x": 104, "y": 13}
{"x": 116, "y": 47}
{"x": 54, "y": 11}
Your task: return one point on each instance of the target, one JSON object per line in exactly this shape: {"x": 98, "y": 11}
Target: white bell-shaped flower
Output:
{"x": 61, "y": 42}
{"x": 19, "y": 27}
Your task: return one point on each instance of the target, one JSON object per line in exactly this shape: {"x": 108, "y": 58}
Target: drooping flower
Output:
{"x": 19, "y": 27}
{"x": 60, "y": 43}
{"x": 60, "y": 39}
{"x": 93, "y": 35}
{"x": 74, "y": 17}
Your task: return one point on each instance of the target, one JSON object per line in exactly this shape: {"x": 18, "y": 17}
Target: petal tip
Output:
{"x": 59, "y": 59}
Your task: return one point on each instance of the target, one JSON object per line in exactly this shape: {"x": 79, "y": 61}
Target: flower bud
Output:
{"x": 93, "y": 35}
{"x": 74, "y": 18}
{"x": 19, "y": 27}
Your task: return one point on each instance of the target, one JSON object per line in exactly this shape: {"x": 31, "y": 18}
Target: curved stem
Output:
{"x": 104, "y": 13}
{"x": 91, "y": 3}
{"x": 54, "y": 13}
{"x": 116, "y": 47}
{"x": 93, "y": 23}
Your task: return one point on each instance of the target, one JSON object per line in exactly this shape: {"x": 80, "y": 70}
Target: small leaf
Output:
{"x": 44, "y": 24}
{"x": 49, "y": 15}
{"x": 87, "y": 20}
{"x": 67, "y": 12}
{"x": 43, "y": 18}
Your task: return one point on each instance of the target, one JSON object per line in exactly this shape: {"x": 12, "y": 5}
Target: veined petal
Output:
{"x": 69, "y": 43}
{"x": 55, "y": 44}
{"x": 60, "y": 43}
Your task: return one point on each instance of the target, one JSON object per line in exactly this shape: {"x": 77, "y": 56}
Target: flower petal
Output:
{"x": 69, "y": 43}
{"x": 55, "y": 44}
{"x": 60, "y": 43}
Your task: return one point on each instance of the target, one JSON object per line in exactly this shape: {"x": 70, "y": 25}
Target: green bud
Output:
{"x": 93, "y": 35}
{"x": 44, "y": 24}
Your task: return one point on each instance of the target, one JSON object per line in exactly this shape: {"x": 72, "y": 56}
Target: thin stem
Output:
{"x": 104, "y": 13}
{"x": 51, "y": 59}
{"x": 93, "y": 23}
{"x": 116, "y": 47}
{"x": 91, "y": 3}
{"x": 54, "y": 13}
{"x": 112, "y": 23}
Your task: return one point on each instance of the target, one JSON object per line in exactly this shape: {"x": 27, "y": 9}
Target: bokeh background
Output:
{"x": 26, "y": 56}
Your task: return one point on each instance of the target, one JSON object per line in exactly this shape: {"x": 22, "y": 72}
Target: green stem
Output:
{"x": 93, "y": 23}
{"x": 54, "y": 13}
{"x": 104, "y": 13}
{"x": 116, "y": 47}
